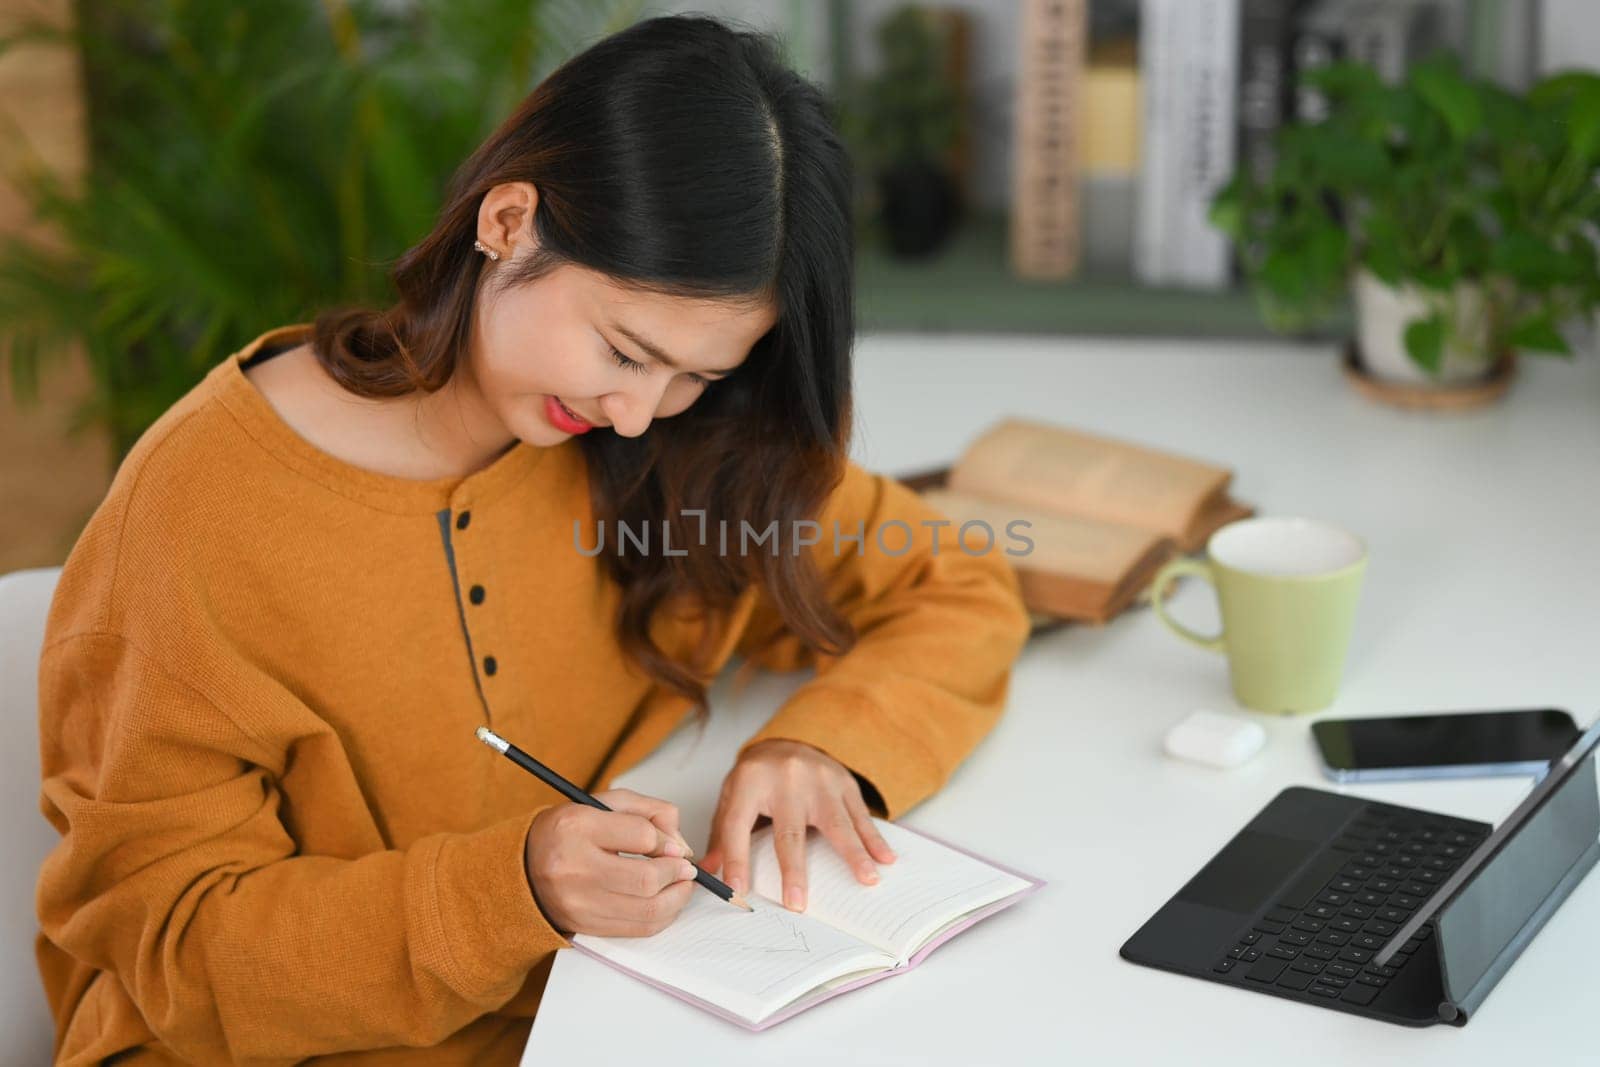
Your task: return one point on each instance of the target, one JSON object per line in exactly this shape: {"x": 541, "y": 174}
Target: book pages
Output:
{"x": 1060, "y": 470}
{"x": 927, "y": 888}
{"x": 750, "y": 963}
{"x": 1094, "y": 551}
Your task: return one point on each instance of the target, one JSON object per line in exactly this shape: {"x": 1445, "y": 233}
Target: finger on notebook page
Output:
{"x": 789, "y": 840}
{"x": 844, "y": 835}
{"x": 867, "y": 829}
{"x": 731, "y": 838}
{"x": 711, "y": 860}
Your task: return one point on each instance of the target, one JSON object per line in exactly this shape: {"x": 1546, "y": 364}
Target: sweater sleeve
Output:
{"x": 176, "y": 872}
{"x": 938, "y": 625}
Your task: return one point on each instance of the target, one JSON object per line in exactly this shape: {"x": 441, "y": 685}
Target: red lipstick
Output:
{"x": 563, "y": 418}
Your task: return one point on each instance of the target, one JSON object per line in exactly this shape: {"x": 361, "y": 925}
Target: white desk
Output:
{"x": 1483, "y": 590}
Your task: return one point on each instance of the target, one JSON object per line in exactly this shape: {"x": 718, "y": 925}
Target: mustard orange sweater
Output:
{"x": 261, "y": 676}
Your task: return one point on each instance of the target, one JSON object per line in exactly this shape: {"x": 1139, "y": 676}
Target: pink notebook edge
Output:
{"x": 806, "y": 1003}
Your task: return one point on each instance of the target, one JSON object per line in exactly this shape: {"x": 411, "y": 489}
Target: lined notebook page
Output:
{"x": 924, "y": 890}
{"x": 751, "y": 963}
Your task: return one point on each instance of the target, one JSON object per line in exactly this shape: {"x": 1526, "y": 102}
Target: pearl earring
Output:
{"x": 486, "y": 250}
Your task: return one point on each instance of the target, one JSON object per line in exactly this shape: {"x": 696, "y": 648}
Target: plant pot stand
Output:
{"x": 1452, "y": 397}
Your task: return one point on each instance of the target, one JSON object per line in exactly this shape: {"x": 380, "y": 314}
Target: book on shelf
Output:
{"x": 1045, "y": 240}
{"x": 1189, "y": 61}
{"x": 1389, "y": 37}
{"x": 1158, "y": 28}
{"x": 1319, "y": 41}
{"x": 1109, "y": 175}
{"x": 1102, "y": 514}
{"x": 1266, "y": 91}
{"x": 1266, "y": 82}
{"x": 755, "y": 969}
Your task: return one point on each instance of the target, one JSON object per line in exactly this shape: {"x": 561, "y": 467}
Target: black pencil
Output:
{"x": 578, "y": 796}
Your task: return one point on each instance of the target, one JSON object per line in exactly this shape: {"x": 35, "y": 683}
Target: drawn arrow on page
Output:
{"x": 794, "y": 942}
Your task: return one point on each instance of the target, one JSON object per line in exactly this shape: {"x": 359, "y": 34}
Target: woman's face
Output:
{"x": 576, "y": 342}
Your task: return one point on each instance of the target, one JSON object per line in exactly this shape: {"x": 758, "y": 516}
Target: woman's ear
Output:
{"x": 505, "y": 217}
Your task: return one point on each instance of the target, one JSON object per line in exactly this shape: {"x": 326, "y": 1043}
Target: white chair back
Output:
{"x": 24, "y": 1016}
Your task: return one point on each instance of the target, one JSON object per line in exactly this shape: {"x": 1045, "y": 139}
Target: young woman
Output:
{"x": 358, "y": 540}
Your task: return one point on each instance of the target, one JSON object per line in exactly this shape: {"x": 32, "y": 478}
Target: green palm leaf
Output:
{"x": 249, "y": 165}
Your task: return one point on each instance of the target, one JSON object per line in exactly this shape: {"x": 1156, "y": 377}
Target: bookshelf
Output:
{"x": 969, "y": 287}
{"x": 972, "y": 284}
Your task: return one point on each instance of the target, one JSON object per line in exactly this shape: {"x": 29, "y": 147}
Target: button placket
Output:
{"x": 459, "y": 561}
{"x": 475, "y": 595}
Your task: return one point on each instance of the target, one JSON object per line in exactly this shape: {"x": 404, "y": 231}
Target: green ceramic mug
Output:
{"x": 1287, "y": 591}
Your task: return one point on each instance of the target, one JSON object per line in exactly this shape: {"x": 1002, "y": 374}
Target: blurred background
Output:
{"x": 1417, "y": 178}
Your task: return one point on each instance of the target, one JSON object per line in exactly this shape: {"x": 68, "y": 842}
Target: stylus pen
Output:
{"x": 578, "y": 796}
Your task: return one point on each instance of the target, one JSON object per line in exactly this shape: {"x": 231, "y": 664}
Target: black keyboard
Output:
{"x": 1320, "y": 935}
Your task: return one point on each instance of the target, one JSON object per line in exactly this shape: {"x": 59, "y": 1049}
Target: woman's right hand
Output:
{"x": 584, "y": 887}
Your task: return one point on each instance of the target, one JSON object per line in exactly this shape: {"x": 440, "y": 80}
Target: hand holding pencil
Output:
{"x": 580, "y": 881}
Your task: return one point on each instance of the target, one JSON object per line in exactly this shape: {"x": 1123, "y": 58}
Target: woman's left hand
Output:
{"x": 797, "y": 787}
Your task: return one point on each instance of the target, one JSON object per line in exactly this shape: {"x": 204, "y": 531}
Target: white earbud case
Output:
{"x": 1215, "y": 739}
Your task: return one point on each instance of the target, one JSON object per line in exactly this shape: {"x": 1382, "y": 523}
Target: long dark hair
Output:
{"x": 678, "y": 156}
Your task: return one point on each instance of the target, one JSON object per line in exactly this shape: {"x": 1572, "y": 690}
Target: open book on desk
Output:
{"x": 758, "y": 968}
{"x": 1099, "y": 515}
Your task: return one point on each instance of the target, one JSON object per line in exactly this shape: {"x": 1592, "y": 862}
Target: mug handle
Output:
{"x": 1173, "y": 569}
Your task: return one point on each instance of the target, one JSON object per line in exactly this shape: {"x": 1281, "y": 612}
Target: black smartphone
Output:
{"x": 1443, "y": 744}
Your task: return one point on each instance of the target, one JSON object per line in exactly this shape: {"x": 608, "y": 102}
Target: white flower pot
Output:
{"x": 1582, "y": 333}
{"x": 1383, "y": 312}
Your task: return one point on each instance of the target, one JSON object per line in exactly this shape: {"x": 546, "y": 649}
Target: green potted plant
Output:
{"x": 1460, "y": 216}
{"x": 249, "y": 165}
{"x": 903, "y": 123}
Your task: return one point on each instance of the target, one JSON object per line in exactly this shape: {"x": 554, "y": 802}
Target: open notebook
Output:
{"x": 758, "y": 968}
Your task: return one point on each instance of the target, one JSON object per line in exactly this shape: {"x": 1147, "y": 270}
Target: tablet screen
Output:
{"x": 1559, "y": 771}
